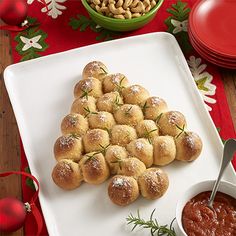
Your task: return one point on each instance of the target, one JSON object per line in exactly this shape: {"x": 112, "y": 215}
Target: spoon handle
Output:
{"x": 229, "y": 149}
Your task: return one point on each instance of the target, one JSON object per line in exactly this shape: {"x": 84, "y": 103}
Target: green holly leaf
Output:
{"x": 83, "y": 23}
{"x": 180, "y": 13}
{"x": 29, "y": 181}
{"x": 201, "y": 84}
{"x": 28, "y": 36}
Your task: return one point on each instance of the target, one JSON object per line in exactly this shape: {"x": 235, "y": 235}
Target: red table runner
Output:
{"x": 66, "y": 25}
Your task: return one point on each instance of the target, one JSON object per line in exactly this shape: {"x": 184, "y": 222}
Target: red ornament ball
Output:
{"x": 12, "y": 214}
{"x": 13, "y": 12}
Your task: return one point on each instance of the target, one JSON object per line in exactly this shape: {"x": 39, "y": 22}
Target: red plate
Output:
{"x": 212, "y": 60}
{"x": 213, "y": 22}
{"x": 205, "y": 50}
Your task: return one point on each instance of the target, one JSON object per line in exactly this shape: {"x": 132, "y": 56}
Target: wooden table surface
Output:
{"x": 9, "y": 137}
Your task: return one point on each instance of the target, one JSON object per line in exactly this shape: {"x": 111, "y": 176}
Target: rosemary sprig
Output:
{"x": 104, "y": 71}
{"x": 90, "y": 157}
{"x": 85, "y": 93}
{"x": 182, "y": 130}
{"x": 74, "y": 135}
{"x": 158, "y": 118}
{"x": 117, "y": 101}
{"x": 118, "y": 161}
{"x": 104, "y": 148}
{"x": 151, "y": 224}
{"x": 144, "y": 107}
{"x": 127, "y": 112}
{"x": 89, "y": 112}
{"x": 120, "y": 86}
{"x": 147, "y": 134}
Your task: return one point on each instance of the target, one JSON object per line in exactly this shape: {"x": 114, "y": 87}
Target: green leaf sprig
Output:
{"x": 104, "y": 148}
{"x": 85, "y": 93}
{"x": 120, "y": 87}
{"x": 144, "y": 107}
{"x": 127, "y": 112}
{"x": 89, "y": 112}
{"x": 117, "y": 102}
{"x": 152, "y": 224}
{"x": 158, "y": 118}
{"x": 147, "y": 134}
{"x": 182, "y": 130}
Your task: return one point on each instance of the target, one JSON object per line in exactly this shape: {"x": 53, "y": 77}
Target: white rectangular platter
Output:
{"x": 41, "y": 93}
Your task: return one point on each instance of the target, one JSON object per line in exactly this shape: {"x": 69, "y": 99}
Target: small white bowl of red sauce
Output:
{"x": 194, "y": 217}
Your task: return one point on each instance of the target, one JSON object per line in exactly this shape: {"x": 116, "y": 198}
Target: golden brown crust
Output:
{"x": 94, "y": 167}
{"x": 109, "y": 101}
{"x": 135, "y": 94}
{"x": 67, "y": 174}
{"x": 95, "y": 69}
{"x": 122, "y": 135}
{"x": 188, "y": 146}
{"x": 123, "y": 190}
{"x": 153, "y": 107}
{"x": 74, "y": 124}
{"x": 88, "y": 87}
{"x": 153, "y": 183}
{"x": 114, "y": 155}
{"x": 84, "y": 105}
{"x": 164, "y": 150}
{"x": 170, "y": 121}
{"x": 147, "y": 129}
{"x": 115, "y": 82}
{"x": 128, "y": 114}
{"x": 101, "y": 120}
{"x": 95, "y": 140}
{"x": 68, "y": 147}
{"x": 131, "y": 166}
{"x": 141, "y": 149}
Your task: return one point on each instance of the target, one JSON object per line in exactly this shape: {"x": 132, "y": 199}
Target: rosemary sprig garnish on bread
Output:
{"x": 127, "y": 112}
{"x": 158, "y": 118}
{"x": 89, "y": 112}
{"x": 182, "y": 130}
{"x": 152, "y": 224}
{"x": 85, "y": 93}
{"x": 120, "y": 86}
{"x": 104, "y": 149}
{"x": 144, "y": 107}
{"x": 147, "y": 134}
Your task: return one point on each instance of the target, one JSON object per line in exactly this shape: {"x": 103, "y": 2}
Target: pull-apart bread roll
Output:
{"x": 101, "y": 120}
{"x": 171, "y": 123}
{"x": 115, "y": 82}
{"x": 88, "y": 87}
{"x": 147, "y": 129}
{"x": 131, "y": 167}
{"x": 84, "y": 106}
{"x": 122, "y": 135}
{"x": 95, "y": 69}
{"x": 164, "y": 150}
{"x": 114, "y": 156}
{"x": 153, "y": 183}
{"x": 128, "y": 114}
{"x": 188, "y": 146}
{"x": 153, "y": 107}
{"x": 94, "y": 168}
{"x": 123, "y": 190}
{"x": 74, "y": 124}
{"x": 141, "y": 149}
{"x": 95, "y": 140}
{"x": 68, "y": 147}
{"x": 67, "y": 174}
{"x": 135, "y": 94}
{"x": 109, "y": 102}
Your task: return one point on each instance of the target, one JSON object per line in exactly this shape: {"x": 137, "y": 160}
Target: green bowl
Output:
{"x": 121, "y": 24}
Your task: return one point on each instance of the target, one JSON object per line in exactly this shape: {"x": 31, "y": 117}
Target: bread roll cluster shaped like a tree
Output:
{"x": 118, "y": 130}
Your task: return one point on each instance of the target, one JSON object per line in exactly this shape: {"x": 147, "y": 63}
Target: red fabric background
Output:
{"x": 62, "y": 37}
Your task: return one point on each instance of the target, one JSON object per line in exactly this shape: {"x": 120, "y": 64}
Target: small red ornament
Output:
{"x": 12, "y": 214}
{"x": 13, "y": 12}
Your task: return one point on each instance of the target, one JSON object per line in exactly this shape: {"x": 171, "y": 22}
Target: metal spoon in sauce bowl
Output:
{"x": 229, "y": 149}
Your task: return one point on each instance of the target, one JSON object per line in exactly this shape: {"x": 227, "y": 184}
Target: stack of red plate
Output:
{"x": 212, "y": 31}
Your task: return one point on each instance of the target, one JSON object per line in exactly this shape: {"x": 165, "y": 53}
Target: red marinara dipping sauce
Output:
{"x": 199, "y": 220}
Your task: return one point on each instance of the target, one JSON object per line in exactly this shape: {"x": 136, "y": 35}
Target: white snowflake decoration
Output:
{"x": 179, "y": 26}
{"x": 204, "y": 77}
{"x": 54, "y": 7}
{"x": 32, "y": 42}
